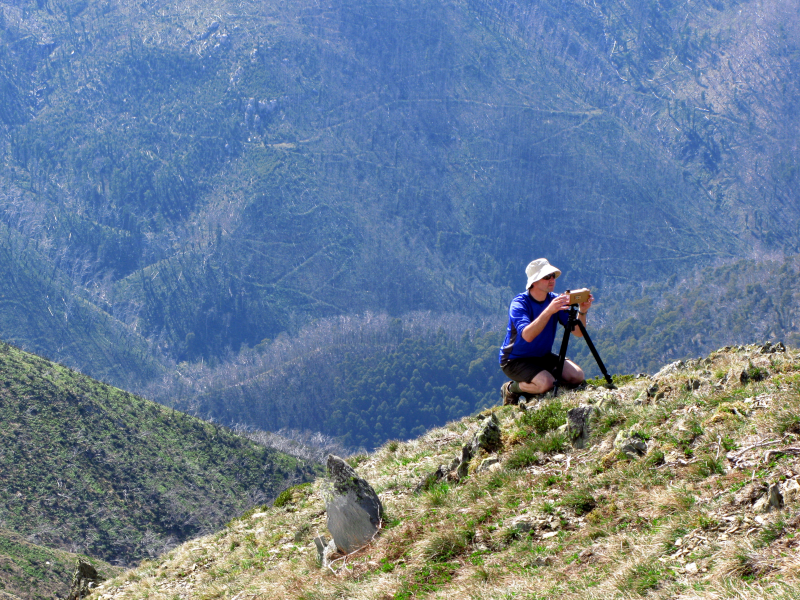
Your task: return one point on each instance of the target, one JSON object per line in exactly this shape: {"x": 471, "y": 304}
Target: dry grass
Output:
{"x": 580, "y": 524}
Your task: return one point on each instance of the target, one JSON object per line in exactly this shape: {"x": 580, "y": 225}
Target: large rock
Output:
{"x": 578, "y": 424}
{"x": 353, "y": 508}
{"x": 84, "y": 580}
{"x": 488, "y": 436}
{"x": 630, "y": 444}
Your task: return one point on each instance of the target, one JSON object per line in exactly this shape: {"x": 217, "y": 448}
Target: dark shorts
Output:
{"x": 525, "y": 369}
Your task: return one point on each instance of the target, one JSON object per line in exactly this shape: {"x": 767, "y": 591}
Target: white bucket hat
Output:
{"x": 537, "y": 269}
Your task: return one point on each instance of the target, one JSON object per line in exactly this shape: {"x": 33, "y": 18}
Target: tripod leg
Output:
{"x": 562, "y": 354}
{"x": 594, "y": 353}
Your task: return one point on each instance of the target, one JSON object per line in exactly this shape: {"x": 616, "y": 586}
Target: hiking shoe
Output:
{"x": 509, "y": 397}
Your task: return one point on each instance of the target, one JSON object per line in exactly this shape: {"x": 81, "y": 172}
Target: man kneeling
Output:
{"x": 526, "y": 356}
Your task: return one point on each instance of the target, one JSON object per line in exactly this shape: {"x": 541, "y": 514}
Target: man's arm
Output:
{"x": 536, "y": 326}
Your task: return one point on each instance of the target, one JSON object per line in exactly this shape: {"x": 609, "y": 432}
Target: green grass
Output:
{"x": 76, "y": 449}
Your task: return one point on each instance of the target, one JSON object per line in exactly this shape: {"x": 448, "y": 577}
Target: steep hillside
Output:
{"x": 211, "y": 174}
{"x": 89, "y": 468}
{"x": 32, "y": 572}
{"x": 685, "y": 513}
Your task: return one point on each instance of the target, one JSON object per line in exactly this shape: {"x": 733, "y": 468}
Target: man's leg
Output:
{"x": 572, "y": 373}
{"x": 543, "y": 382}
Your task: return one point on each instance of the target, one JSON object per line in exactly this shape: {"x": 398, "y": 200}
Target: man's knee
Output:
{"x": 544, "y": 381}
{"x": 573, "y": 373}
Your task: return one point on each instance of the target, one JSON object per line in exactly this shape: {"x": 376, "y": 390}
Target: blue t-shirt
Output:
{"x": 522, "y": 312}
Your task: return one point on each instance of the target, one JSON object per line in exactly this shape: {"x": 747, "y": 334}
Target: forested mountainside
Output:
{"x": 34, "y": 572}
{"x": 185, "y": 179}
{"x": 366, "y": 381}
{"x": 92, "y": 469}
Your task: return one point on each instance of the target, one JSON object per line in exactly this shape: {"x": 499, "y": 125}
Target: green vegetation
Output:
{"x": 88, "y": 466}
{"x": 180, "y": 188}
{"x": 35, "y": 572}
{"x": 381, "y": 388}
{"x": 576, "y": 524}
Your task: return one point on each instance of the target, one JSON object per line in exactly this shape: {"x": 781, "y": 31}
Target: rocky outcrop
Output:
{"x": 578, "y": 425}
{"x": 630, "y": 444}
{"x": 488, "y": 436}
{"x": 354, "y": 510}
{"x": 84, "y": 580}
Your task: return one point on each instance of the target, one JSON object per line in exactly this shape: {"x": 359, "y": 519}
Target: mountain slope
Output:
{"x": 89, "y": 468}
{"x": 32, "y": 572}
{"x": 686, "y": 519}
{"x": 212, "y": 181}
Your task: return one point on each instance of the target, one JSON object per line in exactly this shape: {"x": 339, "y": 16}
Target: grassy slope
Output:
{"x": 89, "y": 468}
{"x": 33, "y": 572}
{"x": 678, "y": 522}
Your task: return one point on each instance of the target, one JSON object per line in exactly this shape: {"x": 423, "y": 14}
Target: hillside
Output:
{"x": 686, "y": 519}
{"x": 181, "y": 182}
{"x": 35, "y": 572}
{"x": 89, "y": 468}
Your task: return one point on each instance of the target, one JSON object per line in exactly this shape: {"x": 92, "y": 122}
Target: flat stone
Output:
{"x": 353, "y": 508}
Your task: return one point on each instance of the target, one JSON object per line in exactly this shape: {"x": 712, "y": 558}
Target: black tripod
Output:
{"x": 562, "y": 355}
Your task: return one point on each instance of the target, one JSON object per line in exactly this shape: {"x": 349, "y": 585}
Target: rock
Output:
{"x": 461, "y": 463}
{"x": 772, "y": 500}
{"x": 488, "y": 436}
{"x": 670, "y": 369}
{"x": 549, "y": 535}
{"x": 691, "y": 569}
{"x": 770, "y": 348}
{"x": 630, "y": 444}
{"x": 432, "y": 479}
{"x": 791, "y": 491}
{"x": 353, "y": 508}
{"x": 324, "y": 550}
{"x": 84, "y": 580}
{"x": 487, "y": 463}
{"x": 607, "y": 401}
{"x": 578, "y": 424}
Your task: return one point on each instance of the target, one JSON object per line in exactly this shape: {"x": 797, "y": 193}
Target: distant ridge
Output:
{"x": 89, "y": 468}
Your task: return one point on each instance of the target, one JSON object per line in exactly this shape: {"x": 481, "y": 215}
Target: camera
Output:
{"x": 578, "y": 296}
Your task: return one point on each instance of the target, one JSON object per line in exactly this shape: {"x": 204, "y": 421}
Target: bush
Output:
{"x": 546, "y": 418}
{"x": 531, "y": 452}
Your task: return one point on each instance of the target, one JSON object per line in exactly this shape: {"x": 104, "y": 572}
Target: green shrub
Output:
{"x": 581, "y": 501}
{"x": 287, "y": 496}
{"x": 530, "y": 452}
{"x": 546, "y": 418}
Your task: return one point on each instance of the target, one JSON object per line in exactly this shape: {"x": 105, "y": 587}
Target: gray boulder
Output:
{"x": 353, "y": 508}
{"x": 630, "y": 444}
{"x": 578, "y": 424}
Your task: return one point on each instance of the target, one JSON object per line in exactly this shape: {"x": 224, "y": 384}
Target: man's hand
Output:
{"x": 560, "y": 302}
{"x": 585, "y": 306}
